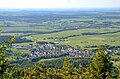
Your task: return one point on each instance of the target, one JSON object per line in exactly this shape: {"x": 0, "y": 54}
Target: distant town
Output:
{"x": 53, "y": 50}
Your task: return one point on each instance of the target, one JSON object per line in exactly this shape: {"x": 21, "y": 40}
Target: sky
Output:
{"x": 59, "y": 3}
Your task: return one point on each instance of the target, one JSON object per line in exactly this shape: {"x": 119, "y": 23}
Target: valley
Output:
{"x": 79, "y": 31}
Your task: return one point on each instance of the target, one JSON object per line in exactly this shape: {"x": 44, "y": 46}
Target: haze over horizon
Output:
{"x": 59, "y": 4}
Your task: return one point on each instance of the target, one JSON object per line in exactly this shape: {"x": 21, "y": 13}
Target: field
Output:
{"x": 76, "y": 37}
{"x": 84, "y": 29}
{"x": 79, "y": 28}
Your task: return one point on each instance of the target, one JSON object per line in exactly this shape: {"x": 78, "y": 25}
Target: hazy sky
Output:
{"x": 59, "y": 3}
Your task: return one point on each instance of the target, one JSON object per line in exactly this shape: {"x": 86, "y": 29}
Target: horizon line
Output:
{"x": 69, "y": 8}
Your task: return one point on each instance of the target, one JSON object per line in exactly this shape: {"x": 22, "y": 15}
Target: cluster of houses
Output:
{"x": 110, "y": 51}
{"x": 56, "y": 51}
{"x": 52, "y": 50}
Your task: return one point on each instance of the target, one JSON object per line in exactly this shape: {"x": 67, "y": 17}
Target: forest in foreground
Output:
{"x": 100, "y": 67}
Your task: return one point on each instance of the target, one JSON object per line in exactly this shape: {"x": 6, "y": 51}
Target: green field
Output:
{"x": 86, "y": 30}
{"x": 81, "y": 40}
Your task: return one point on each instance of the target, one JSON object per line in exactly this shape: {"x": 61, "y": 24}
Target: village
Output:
{"x": 51, "y": 50}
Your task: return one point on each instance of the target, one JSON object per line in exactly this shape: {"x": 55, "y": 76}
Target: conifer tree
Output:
{"x": 67, "y": 68}
{"x": 101, "y": 67}
{"x": 4, "y": 64}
